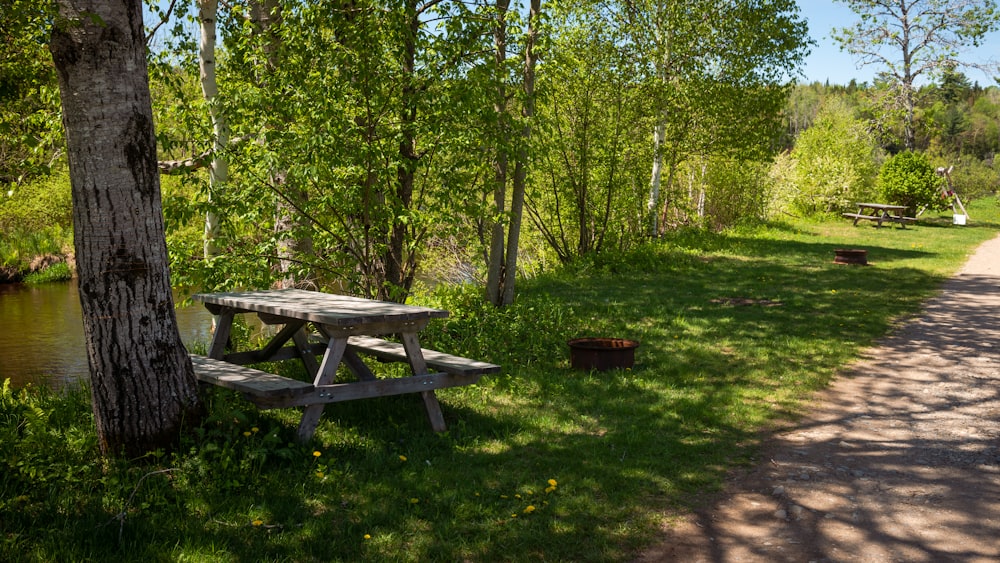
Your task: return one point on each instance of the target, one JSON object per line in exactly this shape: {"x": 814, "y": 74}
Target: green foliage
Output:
{"x": 522, "y": 334}
{"x": 589, "y": 182}
{"x": 835, "y": 163}
{"x": 736, "y": 192}
{"x": 909, "y": 179}
{"x": 42, "y": 204}
{"x": 30, "y": 128}
{"x": 972, "y": 178}
{"x": 53, "y": 273}
{"x": 35, "y": 221}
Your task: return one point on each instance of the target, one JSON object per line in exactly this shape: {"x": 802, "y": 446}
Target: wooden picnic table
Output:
{"x": 344, "y": 327}
{"x": 881, "y": 213}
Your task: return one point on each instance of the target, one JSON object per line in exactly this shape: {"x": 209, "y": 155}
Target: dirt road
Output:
{"x": 898, "y": 460}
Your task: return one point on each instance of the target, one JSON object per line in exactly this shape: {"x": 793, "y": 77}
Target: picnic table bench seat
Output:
{"x": 259, "y": 387}
{"x": 394, "y": 352}
{"x": 889, "y": 219}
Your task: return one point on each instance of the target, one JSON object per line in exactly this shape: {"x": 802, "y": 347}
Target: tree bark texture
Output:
{"x": 219, "y": 171}
{"x": 501, "y": 107}
{"x": 521, "y": 166}
{"x": 142, "y": 381}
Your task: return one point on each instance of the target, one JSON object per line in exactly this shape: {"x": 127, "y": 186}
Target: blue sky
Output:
{"x": 827, "y": 62}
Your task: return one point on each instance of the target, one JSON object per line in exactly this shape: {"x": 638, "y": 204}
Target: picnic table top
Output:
{"x": 319, "y": 307}
{"x": 880, "y": 206}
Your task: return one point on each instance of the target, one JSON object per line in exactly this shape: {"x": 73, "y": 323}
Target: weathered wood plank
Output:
{"x": 257, "y": 385}
{"x": 394, "y": 352}
{"x": 318, "y": 307}
{"x": 338, "y": 392}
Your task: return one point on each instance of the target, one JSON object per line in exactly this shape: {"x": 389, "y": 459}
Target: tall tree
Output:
{"x": 502, "y": 268}
{"x": 142, "y": 381}
{"x": 219, "y": 168}
{"x": 695, "y": 50}
{"x": 913, "y": 38}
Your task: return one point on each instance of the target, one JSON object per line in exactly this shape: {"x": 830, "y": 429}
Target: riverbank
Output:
{"x": 41, "y": 269}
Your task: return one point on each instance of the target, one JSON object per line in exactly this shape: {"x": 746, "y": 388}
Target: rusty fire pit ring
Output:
{"x": 855, "y": 256}
{"x": 602, "y": 354}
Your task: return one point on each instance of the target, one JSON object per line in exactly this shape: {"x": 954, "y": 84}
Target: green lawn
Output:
{"x": 540, "y": 462}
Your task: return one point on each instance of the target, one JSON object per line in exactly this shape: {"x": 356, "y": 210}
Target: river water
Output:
{"x": 41, "y": 334}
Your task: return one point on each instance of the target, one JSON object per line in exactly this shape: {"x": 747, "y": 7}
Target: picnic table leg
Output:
{"x": 324, "y": 376}
{"x": 221, "y": 337}
{"x": 418, "y": 365}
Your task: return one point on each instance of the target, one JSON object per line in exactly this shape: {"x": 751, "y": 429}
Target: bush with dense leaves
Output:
{"x": 909, "y": 179}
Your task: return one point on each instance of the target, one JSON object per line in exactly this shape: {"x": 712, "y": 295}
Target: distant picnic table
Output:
{"x": 344, "y": 328}
{"x": 881, "y": 213}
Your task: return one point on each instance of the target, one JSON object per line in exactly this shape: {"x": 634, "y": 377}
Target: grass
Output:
{"x": 540, "y": 462}
{"x": 54, "y": 273}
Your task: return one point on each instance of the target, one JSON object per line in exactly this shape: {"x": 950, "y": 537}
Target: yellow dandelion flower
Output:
{"x": 257, "y": 522}
{"x": 246, "y": 433}
{"x": 317, "y": 453}
{"x": 504, "y": 496}
{"x": 517, "y": 496}
{"x": 414, "y": 500}
{"x": 552, "y": 482}
{"x": 402, "y": 458}
{"x": 549, "y": 489}
{"x": 368, "y": 536}
{"x": 255, "y": 430}
{"x": 319, "y": 474}
{"x": 529, "y": 509}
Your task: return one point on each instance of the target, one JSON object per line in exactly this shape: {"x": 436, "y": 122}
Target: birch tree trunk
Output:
{"x": 659, "y": 136}
{"x": 142, "y": 381}
{"x": 219, "y": 171}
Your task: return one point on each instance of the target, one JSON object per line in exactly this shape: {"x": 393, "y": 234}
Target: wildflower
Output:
{"x": 257, "y": 522}
{"x": 255, "y": 430}
{"x": 414, "y": 500}
{"x": 529, "y": 509}
{"x": 402, "y": 458}
{"x": 368, "y": 536}
{"x": 319, "y": 474}
{"x": 517, "y": 496}
{"x": 246, "y": 433}
{"x": 552, "y": 482}
{"x": 549, "y": 489}
{"x": 317, "y": 453}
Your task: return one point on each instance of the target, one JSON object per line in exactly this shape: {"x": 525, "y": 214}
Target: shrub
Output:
{"x": 43, "y": 204}
{"x": 835, "y": 163}
{"x": 909, "y": 179}
{"x": 56, "y": 272}
{"x": 972, "y": 178}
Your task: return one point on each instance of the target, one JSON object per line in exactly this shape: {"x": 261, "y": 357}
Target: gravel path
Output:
{"x": 898, "y": 460}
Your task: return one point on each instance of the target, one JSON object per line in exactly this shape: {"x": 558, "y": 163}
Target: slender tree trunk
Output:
{"x": 292, "y": 245}
{"x": 521, "y": 166}
{"x": 219, "y": 171}
{"x": 659, "y": 136}
{"x": 398, "y": 268}
{"x": 501, "y": 107}
{"x": 142, "y": 381}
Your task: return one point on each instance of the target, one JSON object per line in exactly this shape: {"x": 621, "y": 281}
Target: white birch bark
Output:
{"x": 219, "y": 170}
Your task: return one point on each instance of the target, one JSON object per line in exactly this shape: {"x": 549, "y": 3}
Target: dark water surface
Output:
{"x": 41, "y": 333}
